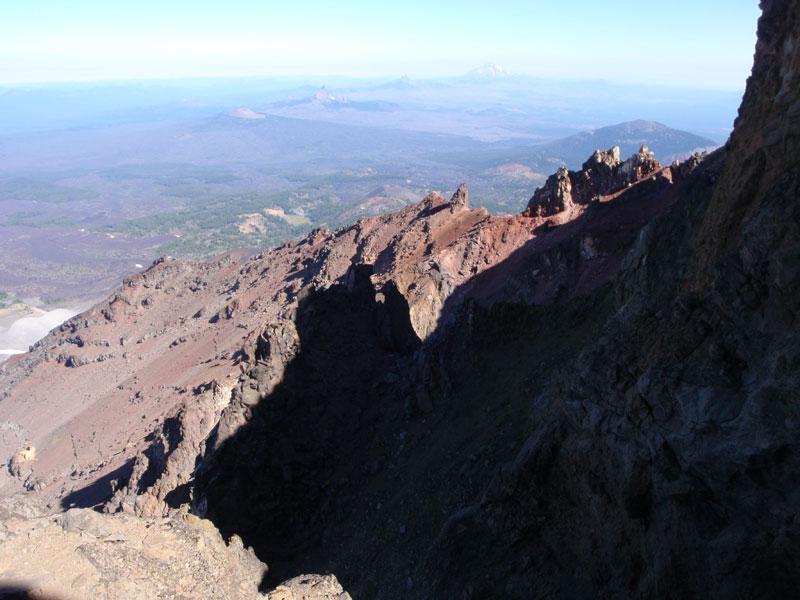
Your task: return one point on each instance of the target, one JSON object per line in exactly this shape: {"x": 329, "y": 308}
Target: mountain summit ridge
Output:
{"x": 427, "y": 252}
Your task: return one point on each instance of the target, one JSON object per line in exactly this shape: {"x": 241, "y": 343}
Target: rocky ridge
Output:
{"x": 146, "y": 374}
{"x": 177, "y": 362}
{"x": 603, "y": 174}
{"x": 676, "y": 425}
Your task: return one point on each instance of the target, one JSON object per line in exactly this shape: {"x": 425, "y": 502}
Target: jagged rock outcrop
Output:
{"x": 603, "y": 175}
{"x": 201, "y": 351}
{"x": 145, "y": 375}
{"x": 153, "y": 490}
{"x": 460, "y": 199}
{"x": 660, "y": 460}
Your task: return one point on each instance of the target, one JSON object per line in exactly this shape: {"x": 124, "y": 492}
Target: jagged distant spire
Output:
{"x": 460, "y": 199}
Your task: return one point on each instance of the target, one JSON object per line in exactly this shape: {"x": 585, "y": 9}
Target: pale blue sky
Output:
{"x": 699, "y": 43}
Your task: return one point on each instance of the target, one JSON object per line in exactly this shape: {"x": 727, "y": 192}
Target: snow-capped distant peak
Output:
{"x": 488, "y": 71}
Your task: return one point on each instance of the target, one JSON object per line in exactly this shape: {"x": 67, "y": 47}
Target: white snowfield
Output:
{"x": 16, "y": 337}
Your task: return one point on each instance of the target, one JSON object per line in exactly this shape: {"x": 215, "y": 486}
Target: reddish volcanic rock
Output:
{"x": 164, "y": 353}
{"x": 460, "y": 199}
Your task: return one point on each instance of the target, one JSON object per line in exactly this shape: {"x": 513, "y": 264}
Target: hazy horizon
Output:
{"x": 190, "y": 128}
{"x": 706, "y": 46}
{"x": 333, "y": 79}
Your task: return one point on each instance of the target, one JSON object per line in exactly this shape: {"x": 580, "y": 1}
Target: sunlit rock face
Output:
{"x": 603, "y": 175}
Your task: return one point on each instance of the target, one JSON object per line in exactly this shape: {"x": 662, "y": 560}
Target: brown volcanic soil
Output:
{"x": 74, "y": 264}
{"x": 90, "y": 395}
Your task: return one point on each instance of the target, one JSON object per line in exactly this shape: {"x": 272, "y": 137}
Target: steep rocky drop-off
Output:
{"x": 596, "y": 398}
{"x": 122, "y": 397}
{"x": 661, "y": 459}
{"x": 123, "y": 404}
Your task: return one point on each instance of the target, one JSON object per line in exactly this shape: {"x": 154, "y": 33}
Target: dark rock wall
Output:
{"x": 662, "y": 461}
{"x": 307, "y": 440}
{"x": 638, "y": 440}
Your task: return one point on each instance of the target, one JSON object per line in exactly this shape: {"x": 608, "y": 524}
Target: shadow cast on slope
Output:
{"x": 9, "y": 593}
{"x": 290, "y": 480}
{"x": 287, "y": 481}
{"x": 98, "y": 491}
{"x": 567, "y": 260}
{"x": 283, "y": 477}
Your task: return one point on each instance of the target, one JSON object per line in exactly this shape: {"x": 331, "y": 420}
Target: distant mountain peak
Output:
{"x": 325, "y": 96}
{"x": 488, "y": 71}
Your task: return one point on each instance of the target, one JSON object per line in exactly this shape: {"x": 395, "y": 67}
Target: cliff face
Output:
{"x": 661, "y": 457}
{"x": 763, "y": 147}
{"x": 597, "y": 397}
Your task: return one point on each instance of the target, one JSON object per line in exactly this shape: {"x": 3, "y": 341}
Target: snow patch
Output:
{"x": 30, "y": 329}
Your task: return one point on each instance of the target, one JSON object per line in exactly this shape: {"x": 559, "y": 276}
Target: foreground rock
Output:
{"x": 85, "y": 554}
{"x": 310, "y": 587}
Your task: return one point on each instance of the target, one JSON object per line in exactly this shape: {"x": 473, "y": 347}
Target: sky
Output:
{"x": 699, "y": 43}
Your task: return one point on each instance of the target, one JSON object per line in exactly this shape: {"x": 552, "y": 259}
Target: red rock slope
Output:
{"x": 164, "y": 352}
